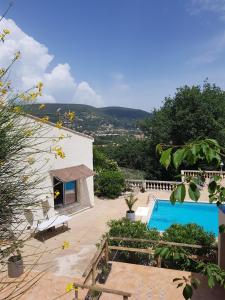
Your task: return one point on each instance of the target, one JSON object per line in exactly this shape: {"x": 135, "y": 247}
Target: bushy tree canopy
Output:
{"x": 194, "y": 112}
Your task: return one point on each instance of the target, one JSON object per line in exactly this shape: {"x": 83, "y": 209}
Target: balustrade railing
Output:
{"x": 160, "y": 185}
{"x": 152, "y": 184}
{"x": 206, "y": 174}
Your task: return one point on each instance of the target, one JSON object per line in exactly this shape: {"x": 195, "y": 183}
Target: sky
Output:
{"x": 130, "y": 53}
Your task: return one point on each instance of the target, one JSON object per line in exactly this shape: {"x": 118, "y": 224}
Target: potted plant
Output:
{"x": 130, "y": 200}
{"x": 15, "y": 265}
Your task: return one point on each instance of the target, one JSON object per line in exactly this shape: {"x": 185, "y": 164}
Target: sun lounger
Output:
{"x": 52, "y": 223}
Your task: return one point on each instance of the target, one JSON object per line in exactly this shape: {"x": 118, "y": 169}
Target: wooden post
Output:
{"x": 159, "y": 261}
{"x": 76, "y": 292}
{"x": 106, "y": 251}
{"x": 93, "y": 274}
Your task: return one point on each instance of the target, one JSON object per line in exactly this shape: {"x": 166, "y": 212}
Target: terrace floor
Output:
{"x": 154, "y": 283}
{"x": 144, "y": 283}
{"x": 86, "y": 229}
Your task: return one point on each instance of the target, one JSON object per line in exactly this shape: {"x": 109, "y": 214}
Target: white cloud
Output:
{"x": 59, "y": 84}
{"x": 214, "y": 6}
{"x": 85, "y": 94}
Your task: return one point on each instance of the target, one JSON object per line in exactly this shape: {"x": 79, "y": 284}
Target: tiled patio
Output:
{"x": 86, "y": 229}
{"x": 144, "y": 283}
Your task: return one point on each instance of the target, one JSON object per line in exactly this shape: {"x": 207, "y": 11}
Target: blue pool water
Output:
{"x": 165, "y": 214}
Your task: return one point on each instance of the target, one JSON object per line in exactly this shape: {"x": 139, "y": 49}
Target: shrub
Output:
{"x": 177, "y": 257}
{"x": 126, "y": 228}
{"x": 189, "y": 234}
{"x": 109, "y": 184}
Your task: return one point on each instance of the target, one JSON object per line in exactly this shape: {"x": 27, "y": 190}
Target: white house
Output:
{"x": 67, "y": 184}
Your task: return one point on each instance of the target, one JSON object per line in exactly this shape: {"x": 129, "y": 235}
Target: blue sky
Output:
{"x": 128, "y": 52}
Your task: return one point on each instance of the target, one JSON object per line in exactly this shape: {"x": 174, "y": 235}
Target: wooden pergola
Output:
{"x": 91, "y": 271}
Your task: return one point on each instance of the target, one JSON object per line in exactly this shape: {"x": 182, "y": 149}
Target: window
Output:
{"x": 70, "y": 192}
{"x": 69, "y": 186}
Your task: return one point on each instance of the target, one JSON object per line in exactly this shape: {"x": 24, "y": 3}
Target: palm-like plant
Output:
{"x": 130, "y": 201}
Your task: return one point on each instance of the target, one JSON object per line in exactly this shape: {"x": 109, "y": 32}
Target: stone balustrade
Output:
{"x": 207, "y": 174}
{"x": 159, "y": 185}
{"x": 153, "y": 184}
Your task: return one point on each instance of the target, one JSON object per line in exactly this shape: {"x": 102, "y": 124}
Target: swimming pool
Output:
{"x": 165, "y": 214}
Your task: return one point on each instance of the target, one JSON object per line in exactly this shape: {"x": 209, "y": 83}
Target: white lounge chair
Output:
{"x": 52, "y": 223}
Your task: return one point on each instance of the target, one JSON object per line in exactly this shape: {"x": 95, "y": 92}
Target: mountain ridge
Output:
{"x": 93, "y": 120}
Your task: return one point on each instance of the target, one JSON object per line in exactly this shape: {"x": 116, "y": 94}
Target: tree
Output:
{"x": 102, "y": 162}
{"x": 109, "y": 181}
{"x": 130, "y": 153}
{"x": 193, "y": 113}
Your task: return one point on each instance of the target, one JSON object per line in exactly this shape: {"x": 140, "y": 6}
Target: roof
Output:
{"x": 72, "y": 173}
{"x": 64, "y": 128}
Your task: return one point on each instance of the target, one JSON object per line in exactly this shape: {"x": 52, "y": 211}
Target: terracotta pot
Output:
{"x": 15, "y": 266}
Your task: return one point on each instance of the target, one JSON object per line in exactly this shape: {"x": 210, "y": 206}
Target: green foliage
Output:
{"x": 129, "y": 153}
{"x": 133, "y": 173}
{"x": 222, "y": 228}
{"x": 190, "y": 234}
{"x": 109, "y": 184}
{"x": 166, "y": 157}
{"x": 189, "y": 284}
{"x": 126, "y": 228}
{"x": 214, "y": 273}
{"x": 130, "y": 201}
{"x": 178, "y": 194}
{"x": 194, "y": 113}
{"x": 176, "y": 257}
{"x": 109, "y": 181}
{"x": 102, "y": 162}
{"x": 210, "y": 151}
{"x": 90, "y": 119}
{"x": 200, "y": 150}
{"x": 187, "y": 291}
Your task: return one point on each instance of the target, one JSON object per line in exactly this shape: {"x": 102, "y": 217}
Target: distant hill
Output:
{"x": 93, "y": 120}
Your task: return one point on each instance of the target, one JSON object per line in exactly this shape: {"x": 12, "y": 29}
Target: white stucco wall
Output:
{"x": 78, "y": 150}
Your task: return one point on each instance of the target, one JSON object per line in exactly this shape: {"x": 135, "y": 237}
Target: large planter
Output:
{"x": 130, "y": 215}
{"x": 15, "y": 266}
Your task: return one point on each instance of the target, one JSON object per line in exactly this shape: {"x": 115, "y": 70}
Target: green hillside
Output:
{"x": 92, "y": 120}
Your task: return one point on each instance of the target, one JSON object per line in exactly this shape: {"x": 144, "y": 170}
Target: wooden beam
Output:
{"x": 161, "y": 242}
{"x": 106, "y": 251}
{"x": 102, "y": 289}
{"x": 151, "y": 251}
{"x": 94, "y": 259}
{"x": 119, "y": 248}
